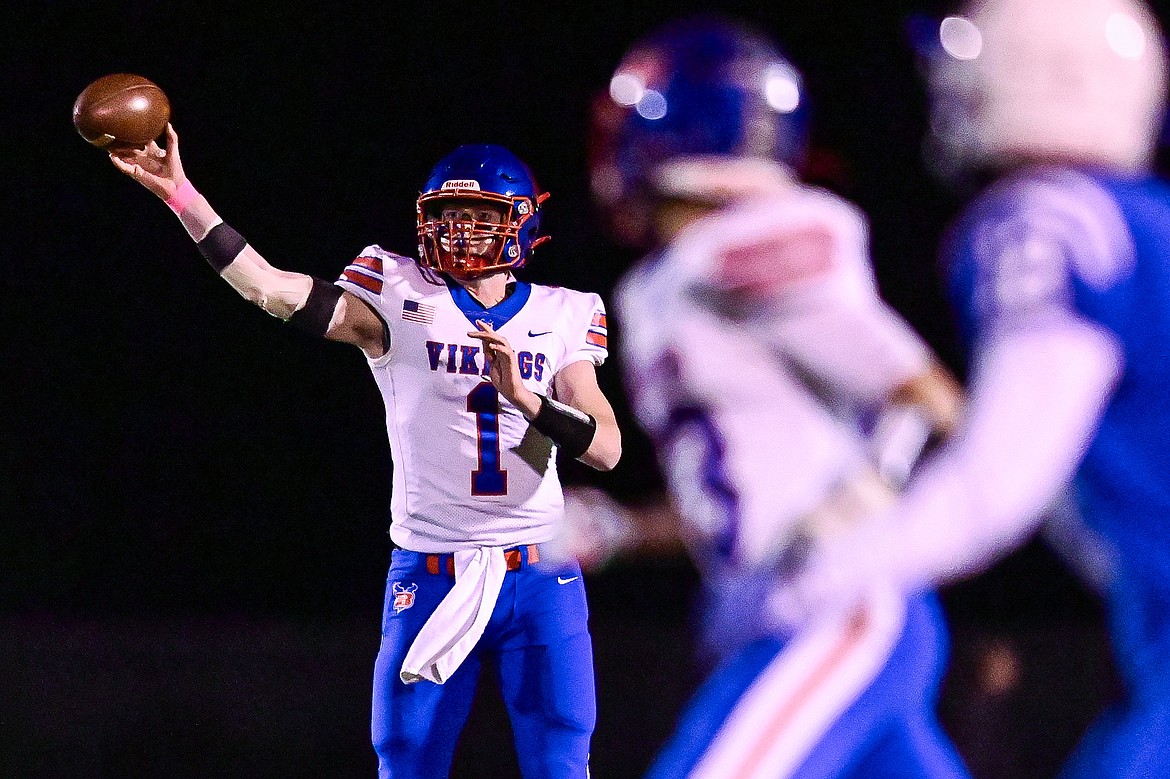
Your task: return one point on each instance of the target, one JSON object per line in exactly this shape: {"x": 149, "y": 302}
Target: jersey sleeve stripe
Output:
{"x": 353, "y": 276}
{"x": 369, "y": 263}
{"x": 365, "y": 272}
{"x": 597, "y": 339}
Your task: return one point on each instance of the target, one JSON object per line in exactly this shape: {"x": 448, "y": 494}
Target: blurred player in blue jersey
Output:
{"x": 754, "y": 345}
{"x": 1060, "y": 271}
{"x": 484, "y": 378}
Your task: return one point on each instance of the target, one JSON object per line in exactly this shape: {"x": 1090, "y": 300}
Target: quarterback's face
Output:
{"x": 466, "y": 216}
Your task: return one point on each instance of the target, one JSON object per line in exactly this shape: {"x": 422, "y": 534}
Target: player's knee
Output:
{"x": 561, "y": 728}
{"x": 399, "y": 741}
{"x": 391, "y": 739}
{"x": 398, "y": 750}
{"x": 559, "y": 749}
{"x": 571, "y": 702}
{"x": 574, "y": 719}
{"x": 384, "y": 745}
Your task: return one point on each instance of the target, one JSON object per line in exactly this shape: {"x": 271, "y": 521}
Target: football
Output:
{"x": 121, "y": 110}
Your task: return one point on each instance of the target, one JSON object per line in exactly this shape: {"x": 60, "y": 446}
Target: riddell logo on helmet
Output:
{"x": 461, "y": 184}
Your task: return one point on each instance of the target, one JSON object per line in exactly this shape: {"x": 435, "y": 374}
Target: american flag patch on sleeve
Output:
{"x": 365, "y": 272}
{"x": 413, "y": 311}
{"x": 597, "y": 333}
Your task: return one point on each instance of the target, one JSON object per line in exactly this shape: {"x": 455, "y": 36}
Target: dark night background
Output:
{"x": 193, "y": 497}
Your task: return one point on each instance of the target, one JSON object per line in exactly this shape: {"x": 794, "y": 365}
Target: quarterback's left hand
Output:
{"x": 595, "y": 529}
{"x": 505, "y": 372}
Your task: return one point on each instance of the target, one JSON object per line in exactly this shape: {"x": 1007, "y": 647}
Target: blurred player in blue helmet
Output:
{"x": 485, "y": 378}
{"x": 755, "y": 348}
{"x": 1060, "y": 272}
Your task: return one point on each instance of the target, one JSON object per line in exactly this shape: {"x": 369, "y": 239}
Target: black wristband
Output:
{"x": 221, "y": 246}
{"x": 570, "y": 429}
{"x": 314, "y": 317}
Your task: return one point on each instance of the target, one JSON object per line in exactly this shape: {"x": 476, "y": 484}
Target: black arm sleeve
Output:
{"x": 221, "y": 246}
{"x": 570, "y": 429}
{"x": 315, "y": 315}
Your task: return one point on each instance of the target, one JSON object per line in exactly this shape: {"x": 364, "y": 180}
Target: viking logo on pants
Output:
{"x": 403, "y": 596}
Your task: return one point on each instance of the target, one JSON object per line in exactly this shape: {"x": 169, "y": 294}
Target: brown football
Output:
{"x": 121, "y": 110}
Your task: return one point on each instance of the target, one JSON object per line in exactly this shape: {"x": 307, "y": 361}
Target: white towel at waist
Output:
{"x": 457, "y": 623}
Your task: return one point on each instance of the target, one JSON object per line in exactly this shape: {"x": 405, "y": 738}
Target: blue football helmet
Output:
{"x": 475, "y": 179}
{"x": 704, "y": 87}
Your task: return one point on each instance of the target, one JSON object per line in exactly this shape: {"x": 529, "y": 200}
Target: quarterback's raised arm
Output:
{"x": 309, "y": 303}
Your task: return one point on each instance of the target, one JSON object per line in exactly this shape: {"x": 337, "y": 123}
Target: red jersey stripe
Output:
{"x": 597, "y": 339}
{"x": 365, "y": 282}
{"x": 370, "y": 263}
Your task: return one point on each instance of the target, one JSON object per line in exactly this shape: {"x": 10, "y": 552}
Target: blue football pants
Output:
{"x": 538, "y": 643}
{"x": 885, "y": 728}
{"x": 1132, "y": 738}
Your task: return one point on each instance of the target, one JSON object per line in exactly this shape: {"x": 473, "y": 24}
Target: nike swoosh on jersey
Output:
{"x": 542, "y": 332}
{"x": 562, "y": 580}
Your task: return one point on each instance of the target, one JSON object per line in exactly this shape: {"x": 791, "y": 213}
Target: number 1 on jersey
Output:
{"x": 488, "y": 478}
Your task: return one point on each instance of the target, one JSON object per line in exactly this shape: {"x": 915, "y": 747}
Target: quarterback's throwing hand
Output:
{"x": 505, "y": 372}
{"x": 159, "y": 170}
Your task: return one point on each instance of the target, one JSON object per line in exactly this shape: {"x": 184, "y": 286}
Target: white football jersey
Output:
{"x": 753, "y": 404}
{"x": 468, "y": 469}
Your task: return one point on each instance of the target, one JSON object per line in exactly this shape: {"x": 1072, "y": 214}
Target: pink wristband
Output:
{"x": 182, "y": 197}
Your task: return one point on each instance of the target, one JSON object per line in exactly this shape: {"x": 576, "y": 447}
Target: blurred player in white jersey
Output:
{"x": 755, "y": 346}
{"x": 1060, "y": 271}
{"x": 484, "y": 377}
